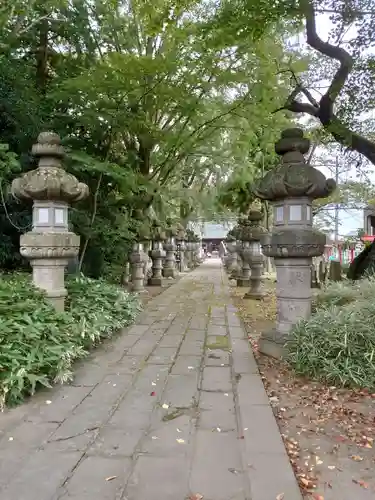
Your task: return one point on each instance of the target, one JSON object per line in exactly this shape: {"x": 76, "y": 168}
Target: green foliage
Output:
{"x": 192, "y": 236}
{"x": 38, "y": 345}
{"x": 109, "y": 308}
{"x": 157, "y": 103}
{"x": 338, "y": 293}
{"x": 337, "y": 343}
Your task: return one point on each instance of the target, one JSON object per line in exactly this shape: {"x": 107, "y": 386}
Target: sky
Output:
{"x": 350, "y": 220}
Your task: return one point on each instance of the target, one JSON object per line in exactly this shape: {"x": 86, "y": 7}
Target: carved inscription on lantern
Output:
{"x": 292, "y": 310}
{"x": 297, "y": 277}
{"x": 291, "y": 282}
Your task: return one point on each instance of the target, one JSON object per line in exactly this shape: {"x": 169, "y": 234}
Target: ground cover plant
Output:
{"x": 337, "y": 343}
{"x": 38, "y": 345}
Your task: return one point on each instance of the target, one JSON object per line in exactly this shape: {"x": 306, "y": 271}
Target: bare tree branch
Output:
{"x": 324, "y": 109}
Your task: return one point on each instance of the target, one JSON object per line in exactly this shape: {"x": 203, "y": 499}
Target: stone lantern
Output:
{"x": 180, "y": 241}
{"x": 157, "y": 254}
{"x": 50, "y": 245}
{"x": 139, "y": 258}
{"x": 237, "y": 261}
{"x": 231, "y": 259}
{"x": 195, "y": 252}
{"x": 243, "y": 248}
{"x": 291, "y": 188}
{"x": 169, "y": 269}
{"x": 255, "y": 234}
{"x": 189, "y": 249}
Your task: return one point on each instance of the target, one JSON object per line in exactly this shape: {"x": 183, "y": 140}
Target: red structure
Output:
{"x": 367, "y": 238}
{"x": 343, "y": 253}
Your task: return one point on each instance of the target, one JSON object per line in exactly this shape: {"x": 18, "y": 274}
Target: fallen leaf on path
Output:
{"x": 341, "y": 438}
{"x": 196, "y": 496}
{"x": 153, "y": 393}
{"x": 180, "y": 441}
{"x": 280, "y": 496}
{"x": 110, "y": 478}
{"x": 356, "y": 458}
{"x": 317, "y": 497}
{"x": 361, "y": 483}
{"x": 48, "y": 402}
{"x": 165, "y": 406}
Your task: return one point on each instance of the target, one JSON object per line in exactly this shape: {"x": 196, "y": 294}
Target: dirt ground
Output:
{"x": 328, "y": 432}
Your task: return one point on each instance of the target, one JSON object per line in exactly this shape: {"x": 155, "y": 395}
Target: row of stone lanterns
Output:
{"x": 164, "y": 246}
{"x": 245, "y": 261}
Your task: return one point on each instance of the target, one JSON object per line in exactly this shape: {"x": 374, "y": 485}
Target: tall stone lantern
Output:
{"x": 157, "y": 254}
{"x": 138, "y": 257}
{"x": 255, "y": 234}
{"x": 243, "y": 248}
{"x": 50, "y": 245}
{"x": 237, "y": 264}
{"x": 291, "y": 188}
{"x": 231, "y": 261}
{"x": 169, "y": 269}
{"x": 180, "y": 241}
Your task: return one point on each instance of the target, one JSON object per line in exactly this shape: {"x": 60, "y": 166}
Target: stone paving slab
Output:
{"x": 173, "y": 406}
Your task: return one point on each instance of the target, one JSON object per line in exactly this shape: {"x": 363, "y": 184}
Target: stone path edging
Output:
{"x": 268, "y": 467}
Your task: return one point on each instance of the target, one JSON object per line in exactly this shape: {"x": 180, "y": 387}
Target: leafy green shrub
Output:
{"x": 344, "y": 292}
{"x": 99, "y": 308}
{"x": 39, "y": 345}
{"x": 337, "y": 343}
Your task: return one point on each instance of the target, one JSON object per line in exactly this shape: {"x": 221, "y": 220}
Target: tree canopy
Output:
{"x": 158, "y": 105}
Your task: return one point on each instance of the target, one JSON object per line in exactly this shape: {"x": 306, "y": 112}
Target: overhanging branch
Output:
{"x": 324, "y": 109}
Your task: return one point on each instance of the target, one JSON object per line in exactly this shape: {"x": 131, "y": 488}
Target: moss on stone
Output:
{"x": 221, "y": 342}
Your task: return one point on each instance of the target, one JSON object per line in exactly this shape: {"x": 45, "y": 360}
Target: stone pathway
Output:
{"x": 173, "y": 407}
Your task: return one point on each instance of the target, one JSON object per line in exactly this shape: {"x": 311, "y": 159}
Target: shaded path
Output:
{"x": 174, "y": 406}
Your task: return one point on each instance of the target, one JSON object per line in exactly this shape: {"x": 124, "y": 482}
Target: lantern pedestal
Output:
{"x": 49, "y": 254}
{"x": 169, "y": 270}
{"x": 243, "y": 279}
{"x": 256, "y": 278}
{"x": 138, "y": 257}
{"x": 293, "y": 292}
{"x": 157, "y": 255}
{"x": 253, "y": 232}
